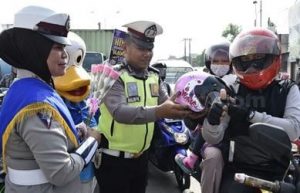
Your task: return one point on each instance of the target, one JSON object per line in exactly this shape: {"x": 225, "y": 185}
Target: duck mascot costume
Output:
{"x": 74, "y": 88}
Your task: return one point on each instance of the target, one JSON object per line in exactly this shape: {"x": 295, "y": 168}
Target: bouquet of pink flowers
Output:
{"x": 103, "y": 76}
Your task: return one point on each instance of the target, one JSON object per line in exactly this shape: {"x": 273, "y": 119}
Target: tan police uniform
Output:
{"x": 127, "y": 119}
{"x": 41, "y": 164}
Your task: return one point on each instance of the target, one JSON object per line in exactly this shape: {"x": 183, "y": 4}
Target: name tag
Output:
{"x": 132, "y": 90}
{"x": 133, "y": 99}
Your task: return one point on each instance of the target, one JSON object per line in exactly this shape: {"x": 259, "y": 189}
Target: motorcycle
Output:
{"x": 170, "y": 137}
{"x": 277, "y": 143}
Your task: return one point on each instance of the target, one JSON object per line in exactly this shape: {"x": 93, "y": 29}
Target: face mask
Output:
{"x": 219, "y": 70}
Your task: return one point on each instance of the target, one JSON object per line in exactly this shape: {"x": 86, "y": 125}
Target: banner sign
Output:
{"x": 117, "y": 51}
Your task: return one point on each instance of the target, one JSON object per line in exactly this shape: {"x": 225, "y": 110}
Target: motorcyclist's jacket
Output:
{"x": 133, "y": 138}
{"x": 272, "y": 101}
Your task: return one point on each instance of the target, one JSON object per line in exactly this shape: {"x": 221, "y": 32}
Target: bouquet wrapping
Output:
{"x": 103, "y": 76}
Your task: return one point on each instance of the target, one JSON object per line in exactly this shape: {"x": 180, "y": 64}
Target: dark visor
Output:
{"x": 52, "y": 29}
{"x": 258, "y": 64}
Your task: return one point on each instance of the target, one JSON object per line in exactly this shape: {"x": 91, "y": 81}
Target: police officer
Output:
{"x": 128, "y": 113}
{"x": 74, "y": 87}
{"x": 40, "y": 144}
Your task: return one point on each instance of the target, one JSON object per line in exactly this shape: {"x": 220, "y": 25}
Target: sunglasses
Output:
{"x": 258, "y": 62}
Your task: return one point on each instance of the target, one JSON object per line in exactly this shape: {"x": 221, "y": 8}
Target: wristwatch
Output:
{"x": 251, "y": 115}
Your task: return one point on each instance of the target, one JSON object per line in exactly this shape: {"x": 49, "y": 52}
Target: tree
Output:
{"x": 231, "y": 31}
{"x": 199, "y": 60}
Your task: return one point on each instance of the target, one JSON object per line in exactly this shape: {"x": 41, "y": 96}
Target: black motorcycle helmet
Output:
{"x": 216, "y": 54}
{"x": 162, "y": 69}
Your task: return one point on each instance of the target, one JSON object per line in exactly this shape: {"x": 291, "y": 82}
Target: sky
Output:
{"x": 202, "y": 21}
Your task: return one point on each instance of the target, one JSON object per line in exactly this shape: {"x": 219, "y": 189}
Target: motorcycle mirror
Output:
{"x": 271, "y": 138}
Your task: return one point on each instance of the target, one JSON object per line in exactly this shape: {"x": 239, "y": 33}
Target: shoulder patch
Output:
{"x": 118, "y": 67}
{"x": 151, "y": 69}
{"x": 46, "y": 118}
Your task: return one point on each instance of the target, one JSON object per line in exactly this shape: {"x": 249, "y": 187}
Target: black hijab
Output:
{"x": 26, "y": 49}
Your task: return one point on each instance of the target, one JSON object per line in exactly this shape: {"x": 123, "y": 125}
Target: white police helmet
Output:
{"x": 143, "y": 33}
{"x": 47, "y": 22}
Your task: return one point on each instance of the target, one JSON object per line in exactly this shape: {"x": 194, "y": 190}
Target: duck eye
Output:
{"x": 78, "y": 59}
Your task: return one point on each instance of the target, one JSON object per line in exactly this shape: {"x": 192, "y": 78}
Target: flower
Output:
{"x": 103, "y": 78}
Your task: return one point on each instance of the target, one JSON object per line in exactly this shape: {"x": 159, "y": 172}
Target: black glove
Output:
{"x": 239, "y": 112}
{"x": 215, "y": 113}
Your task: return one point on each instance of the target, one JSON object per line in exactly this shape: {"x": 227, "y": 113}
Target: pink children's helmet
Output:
{"x": 197, "y": 89}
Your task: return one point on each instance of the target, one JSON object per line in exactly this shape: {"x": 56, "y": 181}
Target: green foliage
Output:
{"x": 198, "y": 61}
{"x": 231, "y": 31}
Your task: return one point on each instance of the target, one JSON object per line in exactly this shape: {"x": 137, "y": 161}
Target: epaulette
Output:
{"x": 119, "y": 66}
{"x": 152, "y": 69}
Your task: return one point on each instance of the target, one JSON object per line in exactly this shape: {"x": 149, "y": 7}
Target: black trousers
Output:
{"x": 121, "y": 175}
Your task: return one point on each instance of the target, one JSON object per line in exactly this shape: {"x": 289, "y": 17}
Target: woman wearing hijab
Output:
{"x": 39, "y": 139}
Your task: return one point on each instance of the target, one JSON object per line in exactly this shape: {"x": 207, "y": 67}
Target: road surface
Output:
{"x": 165, "y": 182}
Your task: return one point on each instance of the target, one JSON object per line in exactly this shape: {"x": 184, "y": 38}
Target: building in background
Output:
{"x": 97, "y": 40}
{"x": 294, "y": 40}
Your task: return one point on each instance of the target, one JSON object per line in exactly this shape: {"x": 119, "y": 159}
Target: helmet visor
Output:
{"x": 255, "y": 61}
{"x": 254, "y": 44}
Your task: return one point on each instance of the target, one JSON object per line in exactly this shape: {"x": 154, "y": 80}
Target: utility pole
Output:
{"x": 190, "y": 54}
{"x": 185, "y": 55}
{"x": 255, "y": 20}
{"x": 185, "y": 39}
{"x": 260, "y": 12}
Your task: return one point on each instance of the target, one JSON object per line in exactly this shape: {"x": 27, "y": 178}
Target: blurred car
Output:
{"x": 4, "y": 68}
{"x": 92, "y": 58}
{"x": 175, "y": 69}
{"x": 201, "y": 68}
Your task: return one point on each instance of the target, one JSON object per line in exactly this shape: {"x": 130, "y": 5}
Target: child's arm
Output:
{"x": 213, "y": 134}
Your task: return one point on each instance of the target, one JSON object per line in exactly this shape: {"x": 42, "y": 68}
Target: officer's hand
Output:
{"x": 94, "y": 133}
{"x": 82, "y": 130}
{"x": 169, "y": 109}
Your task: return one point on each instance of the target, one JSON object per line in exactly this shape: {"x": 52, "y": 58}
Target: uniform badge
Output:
{"x": 151, "y": 31}
{"x": 46, "y": 118}
{"x": 154, "y": 90}
{"x": 132, "y": 90}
